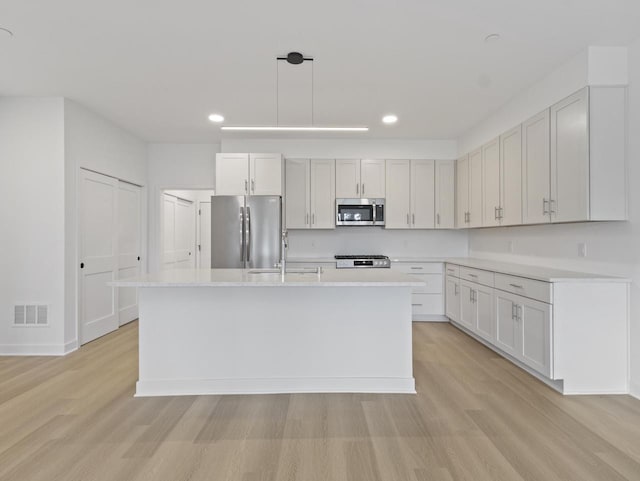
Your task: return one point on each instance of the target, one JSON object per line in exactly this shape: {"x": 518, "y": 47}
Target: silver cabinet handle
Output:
{"x": 416, "y": 305}
{"x": 545, "y": 209}
{"x": 242, "y": 235}
{"x": 518, "y": 313}
{"x": 363, "y": 188}
{"x": 516, "y": 286}
{"x": 438, "y": 219}
{"x": 413, "y": 219}
{"x": 246, "y": 185}
{"x": 357, "y": 188}
{"x": 451, "y": 271}
{"x": 513, "y": 311}
{"x": 417, "y": 268}
{"x": 313, "y": 218}
{"x": 470, "y": 295}
{"x": 306, "y": 219}
{"x": 495, "y": 213}
{"x": 455, "y": 289}
{"x": 473, "y": 275}
{"x": 552, "y": 210}
{"x": 408, "y": 220}
{"x": 253, "y": 185}
{"x": 500, "y": 213}
{"x": 248, "y": 234}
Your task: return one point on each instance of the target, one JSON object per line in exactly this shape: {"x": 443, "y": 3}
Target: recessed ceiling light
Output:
{"x": 5, "y": 32}
{"x": 493, "y": 37}
{"x": 390, "y": 119}
{"x": 216, "y": 118}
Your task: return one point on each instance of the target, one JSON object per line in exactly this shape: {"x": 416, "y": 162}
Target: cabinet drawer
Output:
{"x": 432, "y": 283}
{"x": 427, "y": 304}
{"x": 418, "y": 268}
{"x": 452, "y": 270}
{"x": 477, "y": 275}
{"x": 522, "y": 286}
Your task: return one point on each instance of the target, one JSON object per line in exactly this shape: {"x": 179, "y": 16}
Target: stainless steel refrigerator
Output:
{"x": 245, "y": 231}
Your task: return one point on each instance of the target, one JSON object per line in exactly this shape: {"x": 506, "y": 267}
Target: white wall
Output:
{"x": 175, "y": 166}
{"x": 612, "y": 247}
{"x": 32, "y": 220}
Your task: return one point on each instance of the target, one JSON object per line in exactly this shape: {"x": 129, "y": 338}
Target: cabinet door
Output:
{"x": 347, "y": 178}
{"x": 372, "y": 177}
{"x": 297, "y": 197}
{"x": 491, "y": 183}
{"x": 485, "y": 320}
{"x": 232, "y": 174}
{"x": 511, "y": 177}
{"x": 398, "y": 200}
{"x": 570, "y": 158}
{"x": 536, "y": 172}
{"x": 475, "y": 189}
{"x": 534, "y": 318}
{"x": 266, "y": 174}
{"x": 462, "y": 192}
{"x": 507, "y": 328}
{"x": 323, "y": 194}
{"x": 445, "y": 194}
{"x": 467, "y": 306}
{"x": 422, "y": 194}
{"x": 452, "y": 293}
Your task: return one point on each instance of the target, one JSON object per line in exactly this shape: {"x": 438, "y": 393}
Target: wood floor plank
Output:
{"x": 476, "y": 417}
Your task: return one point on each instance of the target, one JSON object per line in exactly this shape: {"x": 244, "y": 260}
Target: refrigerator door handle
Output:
{"x": 242, "y": 234}
{"x": 248, "y": 241}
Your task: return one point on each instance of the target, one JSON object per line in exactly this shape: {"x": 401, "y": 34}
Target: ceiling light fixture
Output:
{"x": 216, "y": 118}
{"x": 390, "y": 119}
{"x": 5, "y": 32}
{"x": 278, "y": 128}
{"x": 493, "y": 37}
{"x": 294, "y": 58}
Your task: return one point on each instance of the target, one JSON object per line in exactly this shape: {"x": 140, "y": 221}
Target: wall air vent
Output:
{"x": 30, "y": 315}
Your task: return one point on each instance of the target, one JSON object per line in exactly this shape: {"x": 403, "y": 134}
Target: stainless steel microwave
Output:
{"x": 359, "y": 212}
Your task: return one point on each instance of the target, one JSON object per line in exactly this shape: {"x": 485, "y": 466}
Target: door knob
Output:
{"x": 82, "y": 265}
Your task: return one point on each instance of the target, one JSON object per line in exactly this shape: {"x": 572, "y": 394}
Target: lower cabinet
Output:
{"x": 427, "y": 301}
{"x": 476, "y": 309}
{"x": 452, "y": 298}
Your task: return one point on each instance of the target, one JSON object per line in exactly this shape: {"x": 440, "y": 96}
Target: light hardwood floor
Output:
{"x": 475, "y": 417}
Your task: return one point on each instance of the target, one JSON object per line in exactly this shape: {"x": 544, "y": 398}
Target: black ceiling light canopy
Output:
{"x": 295, "y": 58}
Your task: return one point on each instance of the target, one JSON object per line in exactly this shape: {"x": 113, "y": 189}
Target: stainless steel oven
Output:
{"x": 359, "y": 212}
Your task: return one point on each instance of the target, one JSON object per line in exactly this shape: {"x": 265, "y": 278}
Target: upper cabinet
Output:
{"x": 445, "y": 194}
{"x": 310, "y": 194}
{"x": 462, "y": 192}
{"x": 511, "y": 177}
{"x": 491, "y": 212}
{"x": 360, "y": 178}
{"x": 475, "y": 189}
{"x": 249, "y": 174}
{"x": 535, "y": 169}
{"x": 410, "y": 201}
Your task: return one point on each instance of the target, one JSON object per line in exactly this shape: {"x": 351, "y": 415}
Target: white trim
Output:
{"x": 193, "y": 387}
{"x": 38, "y": 349}
{"x": 430, "y": 318}
{"x": 634, "y": 390}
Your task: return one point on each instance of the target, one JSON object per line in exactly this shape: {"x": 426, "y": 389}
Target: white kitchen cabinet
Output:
{"x": 357, "y": 178}
{"x": 462, "y": 192}
{"x": 452, "y": 298}
{"x": 536, "y": 169}
{"x": 249, "y": 174}
{"x": 410, "y": 201}
{"x": 467, "y": 309}
{"x": 534, "y": 320}
{"x": 475, "y": 189}
{"x": 507, "y": 328}
{"x": 476, "y": 309}
{"x": 445, "y": 208}
{"x": 491, "y": 183}
{"x": 310, "y": 194}
{"x": 511, "y": 177}
{"x": 427, "y": 301}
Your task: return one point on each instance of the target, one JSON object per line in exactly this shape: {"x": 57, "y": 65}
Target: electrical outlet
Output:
{"x": 582, "y": 249}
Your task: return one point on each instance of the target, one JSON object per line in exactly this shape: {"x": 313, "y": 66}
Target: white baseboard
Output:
{"x": 194, "y": 387}
{"x": 634, "y": 390}
{"x": 38, "y": 349}
{"x": 430, "y": 318}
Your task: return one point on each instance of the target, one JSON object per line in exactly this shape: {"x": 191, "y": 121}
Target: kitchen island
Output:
{"x": 240, "y": 331}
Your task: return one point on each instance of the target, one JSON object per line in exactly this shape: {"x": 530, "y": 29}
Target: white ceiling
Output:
{"x": 159, "y": 67}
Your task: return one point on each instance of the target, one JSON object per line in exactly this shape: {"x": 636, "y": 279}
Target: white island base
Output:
{"x": 269, "y": 337}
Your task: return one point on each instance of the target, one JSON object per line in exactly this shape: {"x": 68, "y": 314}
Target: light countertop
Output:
{"x": 321, "y": 260}
{"x": 251, "y": 278}
{"x": 539, "y": 273}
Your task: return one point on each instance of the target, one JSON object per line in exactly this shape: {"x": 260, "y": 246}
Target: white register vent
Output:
{"x": 30, "y": 315}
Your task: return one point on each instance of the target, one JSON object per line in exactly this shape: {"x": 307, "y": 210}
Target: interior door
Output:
{"x": 204, "y": 235}
{"x": 232, "y": 174}
{"x": 536, "y": 169}
{"x": 185, "y": 234}
{"x": 266, "y": 174}
{"x": 423, "y": 184}
{"x": 323, "y": 195}
{"x": 462, "y": 192}
{"x": 297, "y": 197}
{"x": 475, "y": 189}
{"x": 398, "y": 201}
{"x": 348, "y": 178}
{"x": 372, "y": 177}
{"x": 491, "y": 183}
{"x": 168, "y": 231}
{"x": 129, "y": 247}
{"x": 98, "y": 255}
{"x": 445, "y": 194}
{"x": 511, "y": 176}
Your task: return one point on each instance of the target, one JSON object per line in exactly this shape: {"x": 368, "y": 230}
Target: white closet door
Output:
{"x": 185, "y": 234}
{"x": 98, "y": 309}
{"x": 423, "y": 184}
{"x": 204, "y": 233}
{"x": 129, "y": 247}
{"x": 168, "y": 231}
